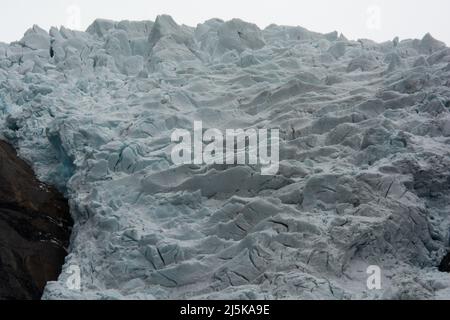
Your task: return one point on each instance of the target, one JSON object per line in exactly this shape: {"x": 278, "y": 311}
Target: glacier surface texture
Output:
{"x": 364, "y": 173}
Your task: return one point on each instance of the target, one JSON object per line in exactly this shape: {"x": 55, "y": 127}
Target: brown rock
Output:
{"x": 35, "y": 226}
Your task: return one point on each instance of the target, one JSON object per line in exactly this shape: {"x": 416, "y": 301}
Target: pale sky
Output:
{"x": 379, "y": 20}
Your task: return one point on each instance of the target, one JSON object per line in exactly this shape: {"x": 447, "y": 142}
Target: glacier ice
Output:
{"x": 364, "y": 158}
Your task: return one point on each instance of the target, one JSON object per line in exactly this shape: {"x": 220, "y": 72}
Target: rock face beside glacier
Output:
{"x": 35, "y": 226}
{"x": 364, "y": 174}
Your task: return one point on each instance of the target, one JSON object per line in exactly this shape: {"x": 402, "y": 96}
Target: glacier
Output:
{"x": 364, "y": 174}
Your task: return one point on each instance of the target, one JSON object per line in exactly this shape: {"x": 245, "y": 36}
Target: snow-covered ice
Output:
{"x": 364, "y": 175}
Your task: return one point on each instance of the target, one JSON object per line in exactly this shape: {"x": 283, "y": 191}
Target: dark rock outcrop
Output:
{"x": 35, "y": 226}
{"x": 444, "y": 266}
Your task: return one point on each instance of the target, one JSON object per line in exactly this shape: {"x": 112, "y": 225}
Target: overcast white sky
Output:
{"x": 379, "y": 20}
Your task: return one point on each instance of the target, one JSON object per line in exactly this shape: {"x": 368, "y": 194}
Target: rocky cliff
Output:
{"x": 35, "y": 226}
